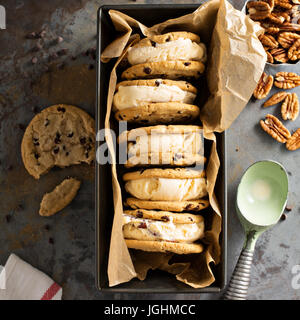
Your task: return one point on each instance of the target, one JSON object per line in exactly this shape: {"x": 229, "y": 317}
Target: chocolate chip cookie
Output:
{"x": 60, "y": 135}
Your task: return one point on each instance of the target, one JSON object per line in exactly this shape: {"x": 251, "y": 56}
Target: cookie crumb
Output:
{"x": 61, "y": 66}
{"x": 21, "y": 126}
{"x": 42, "y": 34}
{"x": 34, "y": 60}
{"x": 59, "y": 39}
{"x": 283, "y": 217}
{"x": 35, "y": 109}
{"x": 288, "y": 208}
{"x": 62, "y": 52}
{"x": 32, "y": 35}
{"x": 46, "y": 68}
{"x": 20, "y": 207}
{"x": 38, "y": 46}
{"x": 53, "y": 56}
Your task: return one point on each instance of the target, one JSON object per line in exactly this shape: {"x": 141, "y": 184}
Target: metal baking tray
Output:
{"x": 156, "y": 281}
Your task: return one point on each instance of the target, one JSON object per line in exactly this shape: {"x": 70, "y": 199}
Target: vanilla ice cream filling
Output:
{"x": 163, "y": 189}
{"x": 135, "y": 96}
{"x": 183, "y": 143}
{"x": 155, "y": 230}
{"x": 180, "y": 49}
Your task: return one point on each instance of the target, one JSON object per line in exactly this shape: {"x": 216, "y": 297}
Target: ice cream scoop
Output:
{"x": 261, "y": 199}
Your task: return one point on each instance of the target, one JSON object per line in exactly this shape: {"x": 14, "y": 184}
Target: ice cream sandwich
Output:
{"x": 155, "y": 101}
{"x": 170, "y": 46}
{"x": 161, "y": 231}
{"x": 175, "y": 145}
{"x": 157, "y": 184}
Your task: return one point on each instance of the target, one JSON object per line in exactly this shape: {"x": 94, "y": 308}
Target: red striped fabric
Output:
{"x": 51, "y": 292}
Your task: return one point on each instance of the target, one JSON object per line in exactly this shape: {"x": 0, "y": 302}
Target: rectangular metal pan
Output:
{"x": 156, "y": 281}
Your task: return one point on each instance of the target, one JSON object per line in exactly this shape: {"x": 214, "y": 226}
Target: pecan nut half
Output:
{"x": 258, "y": 10}
{"x": 270, "y": 58}
{"x": 287, "y": 39}
{"x": 290, "y": 107}
{"x": 272, "y": 30}
{"x": 280, "y": 55}
{"x": 283, "y": 4}
{"x": 286, "y": 80}
{"x": 286, "y": 16}
{"x": 264, "y": 86}
{"x": 278, "y": 17}
{"x": 276, "y": 98}
{"x": 275, "y": 128}
{"x": 294, "y": 27}
{"x": 268, "y": 41}
{"x": 294, "y": 142}
{"x": 294, "y": 51}
{"x": 271, "y": 3}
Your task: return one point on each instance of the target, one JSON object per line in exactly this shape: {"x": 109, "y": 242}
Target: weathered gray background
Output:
{"x": 70, "y": 259}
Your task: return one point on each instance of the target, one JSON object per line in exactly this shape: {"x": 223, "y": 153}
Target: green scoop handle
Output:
{"x": 261, "y": 199}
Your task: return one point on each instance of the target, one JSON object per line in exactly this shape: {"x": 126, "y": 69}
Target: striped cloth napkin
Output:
{"x": 20, "y": 281}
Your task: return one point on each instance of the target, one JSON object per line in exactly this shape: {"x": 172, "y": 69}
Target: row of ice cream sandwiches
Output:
{"x": 154, "y": 93}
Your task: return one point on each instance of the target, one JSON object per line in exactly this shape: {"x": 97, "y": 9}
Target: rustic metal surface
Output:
{"x": 63, "y": 246}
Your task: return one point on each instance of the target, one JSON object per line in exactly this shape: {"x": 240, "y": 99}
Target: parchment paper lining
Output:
{"x": 236, "y": 62}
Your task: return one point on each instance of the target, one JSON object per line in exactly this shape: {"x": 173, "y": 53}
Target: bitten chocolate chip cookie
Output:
{"x": 60, "y": 197}
{"x": 61, "y": 135}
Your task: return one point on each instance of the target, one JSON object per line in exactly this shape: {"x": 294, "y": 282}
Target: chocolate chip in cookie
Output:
{"x": 153, "y": 43}
{"x": 147, "y": 70}
{"x": 62, "y": 109}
